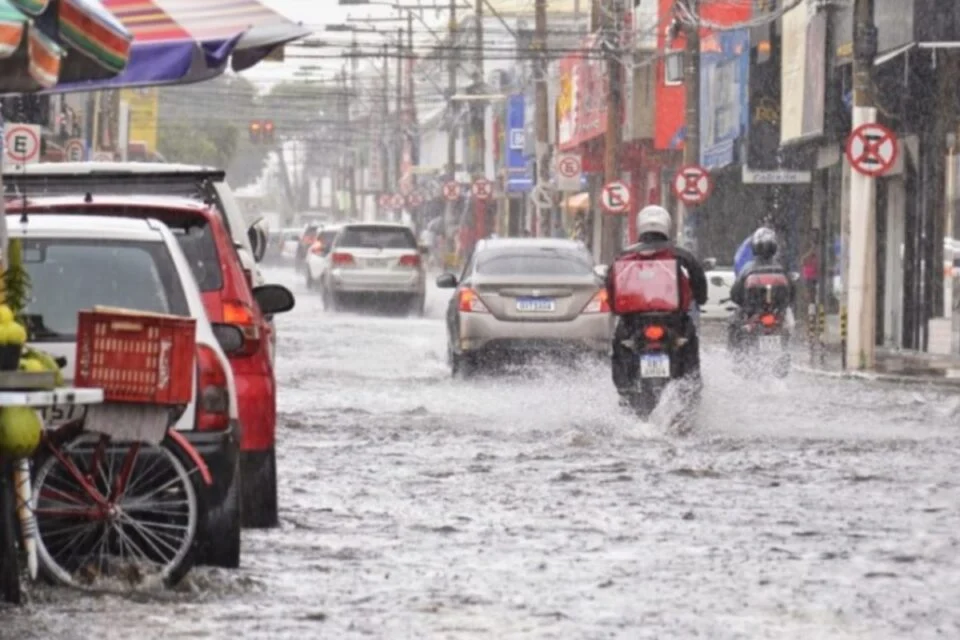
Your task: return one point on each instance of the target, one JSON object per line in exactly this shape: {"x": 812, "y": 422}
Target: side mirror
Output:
{"x": 424, "y": 249}
{"x": 258, "y": 240}
{"x": 710, "y": 264}
{"x": 601, "y": 271}
{"x": 446, "y": 281}
{"x": 273, "y": 298}
{"x": 229, "y": 336}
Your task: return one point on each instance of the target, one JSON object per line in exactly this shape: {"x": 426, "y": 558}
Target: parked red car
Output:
{"x": 228, "y": 298}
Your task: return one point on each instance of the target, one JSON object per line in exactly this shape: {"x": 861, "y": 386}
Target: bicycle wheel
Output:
{"x": 9, "y": 555}
{"x": 125, "y": 511}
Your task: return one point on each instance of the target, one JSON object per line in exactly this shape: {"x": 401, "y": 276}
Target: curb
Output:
{"x": 889, "y": 378}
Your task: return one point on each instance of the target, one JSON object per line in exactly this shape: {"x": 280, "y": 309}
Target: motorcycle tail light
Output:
{"x": 654, "y": 333}
{"x": 768, "y": 320}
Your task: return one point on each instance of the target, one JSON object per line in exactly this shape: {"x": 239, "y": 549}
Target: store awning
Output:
{"x": 578, "y": 202}
{"x": 95, "y": 43}
{"x": 186, "y": 41}
{"x": 43, "y": 42}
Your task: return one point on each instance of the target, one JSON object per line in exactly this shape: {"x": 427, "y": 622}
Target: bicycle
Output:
{"x": 116, "y": 509}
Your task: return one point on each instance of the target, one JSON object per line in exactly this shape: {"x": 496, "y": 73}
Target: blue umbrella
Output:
{"x": 743, "y": 255}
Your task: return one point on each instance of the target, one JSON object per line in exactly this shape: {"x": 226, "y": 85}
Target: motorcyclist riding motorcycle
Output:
{"x": 764, "y": 246}
{"x": 654, "y": 225}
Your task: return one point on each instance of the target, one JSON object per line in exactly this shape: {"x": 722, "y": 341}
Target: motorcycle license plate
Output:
{"x": 654, "y": 365}
{"x": 769, "y": 344}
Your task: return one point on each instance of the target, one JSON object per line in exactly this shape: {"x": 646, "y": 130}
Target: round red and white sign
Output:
{"x": 22, "y": 143}
{"x": 74, "y": 150}
{"x": 451, "y": 190}
{"x": 482, "y": 189}
{"x": 872, "y": 149}
{"x": 397, "y": 200}
{"x": 692, "y": 184}
{"x": 414, "y": 199}
{"x": 569, "y": 166}
{"x": 615, "y": 197}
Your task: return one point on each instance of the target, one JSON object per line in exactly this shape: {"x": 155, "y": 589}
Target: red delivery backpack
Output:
{"x": 650, "y": 282}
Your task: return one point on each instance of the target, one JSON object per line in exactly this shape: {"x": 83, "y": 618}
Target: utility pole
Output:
{"x": 479, "y": 111}
{"x": 452, "y": 86}
{"x": 862, "y": 275}
{"x": 383, "y": 144}
{"x": 542, "y": 105}
{"x": 613, "y": 22}
{"x": 691, "y": 80}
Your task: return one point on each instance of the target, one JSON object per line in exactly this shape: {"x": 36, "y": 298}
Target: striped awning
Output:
{"x": 185, "y": 41}
{"x": 96, "y": 45}
{"x": 44, "y": 42}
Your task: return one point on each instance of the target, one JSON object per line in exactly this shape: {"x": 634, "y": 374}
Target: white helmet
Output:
{"x": 654, "y": 219}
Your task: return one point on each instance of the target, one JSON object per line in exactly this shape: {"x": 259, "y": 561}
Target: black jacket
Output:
{"x": 695, "y": 272}
{"x": 760, "y": 266}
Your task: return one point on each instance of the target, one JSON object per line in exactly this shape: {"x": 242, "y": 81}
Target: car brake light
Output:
{"x": 470, "y": 302}
{"x": 213, "y": 392}
{"x": 410, "y": 261}
{"x": 654, "y": 333}
{"x": 600, "y": 303}
{"x": 317, "y": 248}
{"x": 768, "y": 320}
{"x": 341, "y": 259}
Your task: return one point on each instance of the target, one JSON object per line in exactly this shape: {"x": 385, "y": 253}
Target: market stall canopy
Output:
{"x": 578, "y": 202}
{"x": 43, "y": 42}
{"x": 185, "y": 41}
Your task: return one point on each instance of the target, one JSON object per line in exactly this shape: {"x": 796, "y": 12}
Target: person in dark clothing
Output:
{"x": 749, "y": 301}
{"x": 653, "y": 229}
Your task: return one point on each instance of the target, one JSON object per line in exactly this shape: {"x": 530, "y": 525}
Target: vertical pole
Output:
{"x": 382, "y": 143}
{"x": 612, "y": 18}
{"x": 452, "y": 86}
{"x": 862, "y": 296}
{"x": 691, "y": 79}
{"x": 478, "y": 109}
{"x": 542, "y": 106}
{"x": 398, "y": 119}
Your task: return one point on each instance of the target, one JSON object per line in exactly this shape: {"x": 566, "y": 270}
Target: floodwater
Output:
{"x": 531, "y": 506}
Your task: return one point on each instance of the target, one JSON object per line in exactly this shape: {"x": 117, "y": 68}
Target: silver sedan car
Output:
{"x": 523, "y": 297}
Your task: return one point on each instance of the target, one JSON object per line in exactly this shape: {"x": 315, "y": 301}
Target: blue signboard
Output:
{"x": 724, "y": 95}
{"x": 519, "y": 176}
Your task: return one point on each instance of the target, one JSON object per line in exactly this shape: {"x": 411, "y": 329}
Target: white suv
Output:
{"x": 375, "y": 261}
{"x": 77, "y": 262}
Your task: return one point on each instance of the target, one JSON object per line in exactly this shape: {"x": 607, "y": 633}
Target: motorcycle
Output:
{"x": 654, "y": 345}
{"x": 760, "y": 341}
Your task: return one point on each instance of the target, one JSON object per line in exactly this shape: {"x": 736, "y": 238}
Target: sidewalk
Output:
{"x": 892, "y": 365}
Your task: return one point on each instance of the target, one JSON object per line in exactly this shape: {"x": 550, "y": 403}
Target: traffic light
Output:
{"x": 256, "y": 132}
{"x": 268, "y": 131}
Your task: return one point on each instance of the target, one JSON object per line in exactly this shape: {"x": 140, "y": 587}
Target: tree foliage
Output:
{"x": 214, "y": 144}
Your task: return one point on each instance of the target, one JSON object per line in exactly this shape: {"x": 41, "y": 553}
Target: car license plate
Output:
{"x": 374, "y": 262}
{"x": 541, "y": 305}
{"x": 654, "y": 365}
{"x": 55, "y": 416}
{"x": 769, "y": 344}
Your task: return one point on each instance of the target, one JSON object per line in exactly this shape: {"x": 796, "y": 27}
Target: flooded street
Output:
{"x": 531, "y": 506}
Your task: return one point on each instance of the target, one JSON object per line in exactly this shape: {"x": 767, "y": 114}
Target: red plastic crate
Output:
{"x": 136, "y": 357}
{"x": 645, "y": 286}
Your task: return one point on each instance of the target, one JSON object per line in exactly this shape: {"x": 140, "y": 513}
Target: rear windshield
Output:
{"x": 373, "y": 237}
{"x": 200, "y": 248}
{"x": 68, "y": 276}
{"x": 544, "y": 262}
